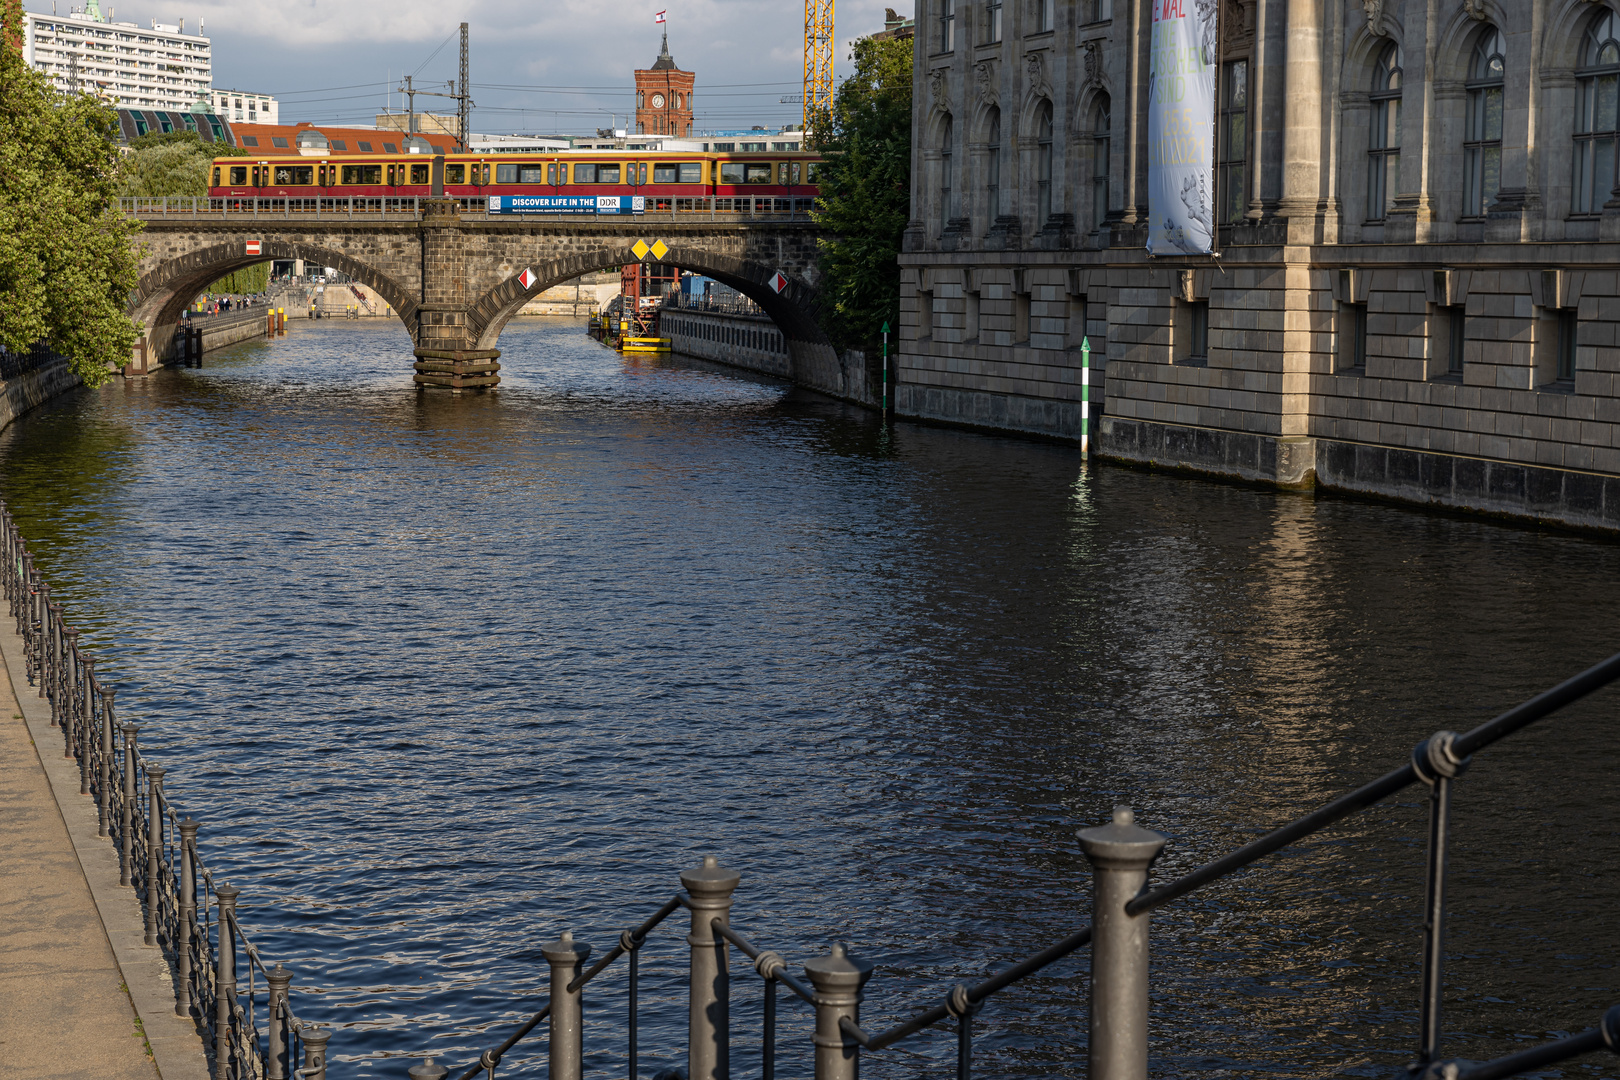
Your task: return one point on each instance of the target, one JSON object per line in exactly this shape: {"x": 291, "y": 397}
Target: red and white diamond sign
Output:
{"x": 779, "y": 281}
{"x": 528, "y": 279}
{"x": 254, "y": 247}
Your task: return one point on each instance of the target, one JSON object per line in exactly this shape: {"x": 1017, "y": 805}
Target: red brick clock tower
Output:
{"x": 664, "y": 97}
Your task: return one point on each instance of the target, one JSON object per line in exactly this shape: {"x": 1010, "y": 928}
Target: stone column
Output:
{"x": 445, "y": 353}
{"x": 1516, "y": 213}
{"x": 1411, "y": 219}
{"x": 1267, "y": 94}
{"x": 1302, "y": 121}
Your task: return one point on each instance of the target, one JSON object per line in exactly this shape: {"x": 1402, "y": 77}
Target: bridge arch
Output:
{"x": 793, "y": 309}
{"x": 165, "y": 291}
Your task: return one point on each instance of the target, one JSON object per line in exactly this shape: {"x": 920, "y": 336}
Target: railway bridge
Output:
{"x": 455, "y": 274}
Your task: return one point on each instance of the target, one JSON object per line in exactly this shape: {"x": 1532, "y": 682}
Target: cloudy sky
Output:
{"x": 552, "y": 65}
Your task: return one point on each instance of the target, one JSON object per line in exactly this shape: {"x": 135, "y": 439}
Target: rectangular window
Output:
{"x": 1568, "y": 327}
{"x": 1231, "y": 175}
{"x": 362, "y": 174}
{"x": 278, "y": 142}
{"x": 731, "y": 172}
{"x": 216, "y": 177}
{"x": 607, "y": 174}
{"x": 295, "y": 174}
{"x": 247, "y": 140}
{"x": 1352, "y": 337}
{"x": 811, "y": 168}
{"x": 583, "y": 174}
{"x": 455, "y": 174}
{"x": 238, "y": 174}
{"x": 339, "y": 145}
{"x": 724, "y": 147}
{"x": 419, "y": 174}
{"x": 663, "y": 174}
{"x": 947, "y": 25}
{"x": 753, "y": 148}
{"x": 1043, "y": 15}
{"x": 690, "y": 172}
{"x": 1097, "y": 11}
{"x": 992, "y": 22}
{"x": 782, "y": 174}
{"x": 507, "y": 174}
{"x": 1597, "y": 132}
{"x": 364, "y": 146}
{"x": 1456, "y": 338}
{"x": 758, "y": 173}
{"x": 390, "y": 148}
{"x": 531, "y": 173}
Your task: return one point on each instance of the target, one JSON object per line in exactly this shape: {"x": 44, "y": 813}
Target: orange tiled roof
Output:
{"x": 261, "y": 138}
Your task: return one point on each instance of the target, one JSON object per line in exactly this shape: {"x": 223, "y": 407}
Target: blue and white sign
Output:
{"x": 567, "y": 204}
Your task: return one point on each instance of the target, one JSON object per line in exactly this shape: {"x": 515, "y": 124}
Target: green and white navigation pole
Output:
{"x": 1085, "y": 396}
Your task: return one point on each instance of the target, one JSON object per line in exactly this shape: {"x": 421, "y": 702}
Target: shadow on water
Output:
{"x": 445, "y": 675}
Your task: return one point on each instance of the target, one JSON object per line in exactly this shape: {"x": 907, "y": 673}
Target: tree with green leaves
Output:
{"x": 865, "y": 192}
{"x": 67, "y": 256}
{"x": 162, "y": 163}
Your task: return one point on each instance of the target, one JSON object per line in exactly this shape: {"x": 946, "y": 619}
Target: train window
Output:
{"x": 782, "y": 173}
{"x": 607, "y": 174}
{"x": 362, "y": 174}
{"x": 759, "y": 173}
{"x": 364, "y": 146}
{"x": 664, "y": 174}
{"x": 390, "y": 148}
{"x": 797, "y": 168}
{"x": 278, "y": 142}
{"x": 642, "y": 179}
{"x": 810, "y": 168}
{"x": 295, "y": 174}
{"x": 419, "y": 174}
{"x": 506, "y": 174}
{"x": 238, "y": 174}
{"x": 216, "y": 178}
{"x": 531, "y": 174}
{"x": 323, "y": 176}
{"x": 584, "y": 174}
{"x": 390, "y": 175}
{"x": 731, "y": 172}
{"x": 691, "y": 172}
{"x": 551, "y": 172}
{"x": 256, "y": 177}
{"x": 455, "y": 174}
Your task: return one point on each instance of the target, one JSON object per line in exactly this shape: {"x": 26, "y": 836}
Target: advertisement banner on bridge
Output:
{"x": 1181, "y": 128}
{"x": 567, "y": 204}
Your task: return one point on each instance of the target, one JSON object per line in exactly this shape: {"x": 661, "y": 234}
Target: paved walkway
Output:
{"x": 68, "y": 997}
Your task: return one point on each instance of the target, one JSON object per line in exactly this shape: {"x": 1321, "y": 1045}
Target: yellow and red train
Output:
{"x": 571, "y": 176}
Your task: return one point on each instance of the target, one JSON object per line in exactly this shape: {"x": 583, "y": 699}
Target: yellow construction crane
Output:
{"x": 818, "y": 58}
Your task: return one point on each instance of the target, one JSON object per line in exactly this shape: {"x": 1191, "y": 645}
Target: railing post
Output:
{"x": 427, "y": 1071}
{"x": 565, "y": 956}
{"x": 70, "y": 654}
{"x": 126, "y": 823}
{"x": 708, "y": 1051}
{"x": 1437, "y": 765}
{"x": 188, "y": 916}
{"x": 104, "y": 767}
{"x": 154, "y": 847}
{"x": 81, "y": 682}
{"x": 53, "y": 614}
{"x": 837, "y": 979}
{"x": 314, "y": 1040}
{"x": 277, "y": 979}
{"x": 225, "y": 981}
{"x": 87, "y": 733}
{"x": 1120, "y": 855}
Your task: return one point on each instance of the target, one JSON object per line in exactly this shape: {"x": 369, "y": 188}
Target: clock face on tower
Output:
{"x": 658, "y": 101}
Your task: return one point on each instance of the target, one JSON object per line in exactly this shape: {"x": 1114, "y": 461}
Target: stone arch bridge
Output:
{"x": 454, "y": 278}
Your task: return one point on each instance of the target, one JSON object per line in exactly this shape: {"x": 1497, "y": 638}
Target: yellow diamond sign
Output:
{"x": 659, "y": 249}
{"x": 640, "y": 248}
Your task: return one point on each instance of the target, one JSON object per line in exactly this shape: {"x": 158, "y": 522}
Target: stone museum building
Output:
{"x": 1415, "y": 291}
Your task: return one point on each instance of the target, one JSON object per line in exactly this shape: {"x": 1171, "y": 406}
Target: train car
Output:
{"x": 663, "y": 179}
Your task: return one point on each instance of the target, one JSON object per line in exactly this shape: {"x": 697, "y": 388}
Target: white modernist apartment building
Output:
{"x": 136, "y": 67}
{"x": 239, "y": 106}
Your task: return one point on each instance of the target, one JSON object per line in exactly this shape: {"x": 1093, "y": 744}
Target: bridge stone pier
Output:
{"x": 453, "y": 278}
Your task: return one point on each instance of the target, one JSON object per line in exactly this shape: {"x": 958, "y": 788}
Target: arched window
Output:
{"x": 1101, "y": 140}
{"x": 947, "y": 142}
{"x": 1043, "y": 165}
{"x": 1482, "y": 137}
{"x": 1384, "y": 138}
{"x": 992, "y": 168}
{"x": 1597, "y": 129}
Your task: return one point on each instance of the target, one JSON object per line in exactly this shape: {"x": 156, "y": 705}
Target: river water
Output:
{"x": 444, "y": 676}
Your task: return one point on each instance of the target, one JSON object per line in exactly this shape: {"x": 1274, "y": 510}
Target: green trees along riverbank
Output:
{"x": 67, "y": 256}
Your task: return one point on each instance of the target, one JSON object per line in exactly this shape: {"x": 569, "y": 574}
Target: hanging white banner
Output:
{"x": 1181, "y": 128}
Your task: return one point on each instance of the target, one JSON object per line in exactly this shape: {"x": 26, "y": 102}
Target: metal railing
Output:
{"x": 194, "y": 917}
{"x": 728, "y": 302}
{"x": 1121, "y": 854}
{"x": 187, "y": 912}
{"x": 36, "y": 356}
{"x": 732, "y": 209}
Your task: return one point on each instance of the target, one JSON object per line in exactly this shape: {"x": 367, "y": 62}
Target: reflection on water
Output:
{"x": 445, "y": 675}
